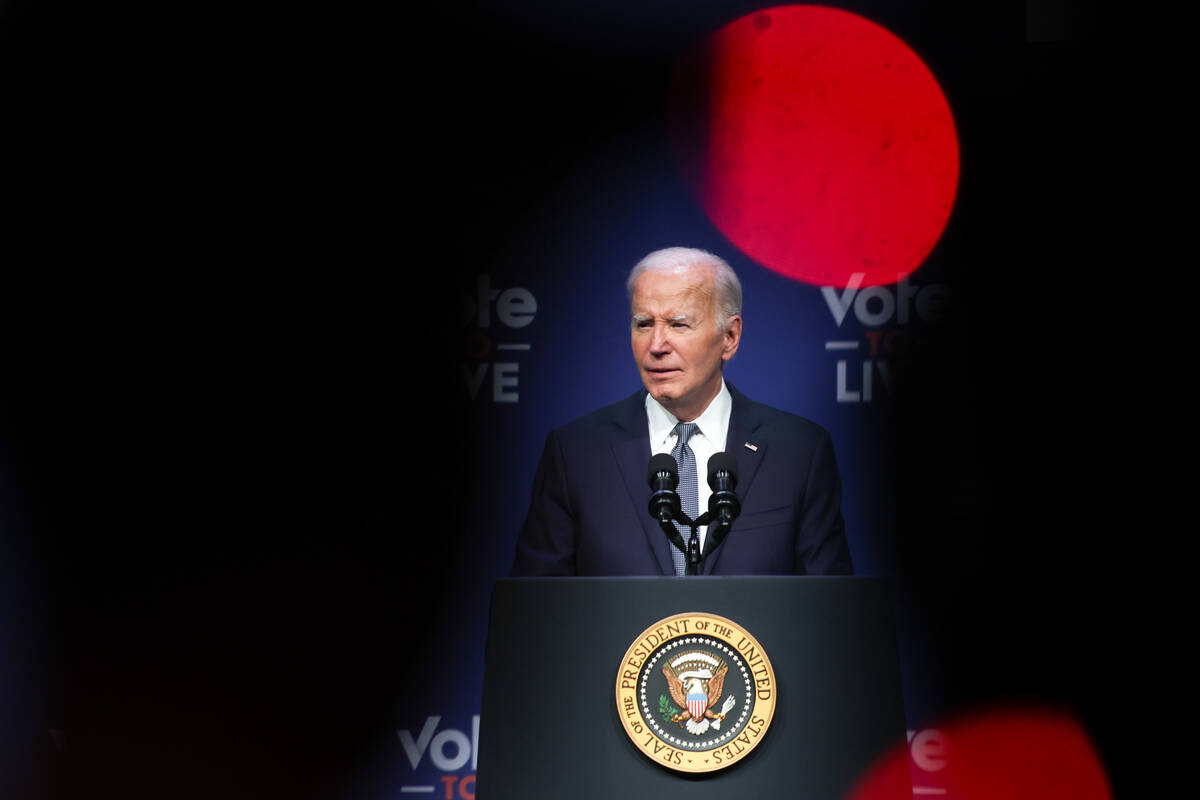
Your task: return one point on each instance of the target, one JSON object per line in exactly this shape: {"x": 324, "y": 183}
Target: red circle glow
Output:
{"x": 819, "y": 143}
{"x": 996, "y": 754}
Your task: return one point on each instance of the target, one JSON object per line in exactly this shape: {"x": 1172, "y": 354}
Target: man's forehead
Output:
{"x": 689, "y": 294}
{"x": 684, "y": 296}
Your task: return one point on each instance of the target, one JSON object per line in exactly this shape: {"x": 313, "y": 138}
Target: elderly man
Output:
{"x": 589, "y": 512}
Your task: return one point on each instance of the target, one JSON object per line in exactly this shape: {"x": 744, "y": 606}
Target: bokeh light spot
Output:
{"x": 997, "y": 754}
{"x": 818, "y": 143}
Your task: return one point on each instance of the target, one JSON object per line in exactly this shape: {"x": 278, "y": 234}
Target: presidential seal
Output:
{"x": 695, "y": 692}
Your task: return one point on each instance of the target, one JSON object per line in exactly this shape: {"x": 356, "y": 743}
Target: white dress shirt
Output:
{"x": 713, "y": 424}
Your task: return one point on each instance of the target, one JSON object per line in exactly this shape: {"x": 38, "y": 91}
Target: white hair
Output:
{"x": 727, "y": 287}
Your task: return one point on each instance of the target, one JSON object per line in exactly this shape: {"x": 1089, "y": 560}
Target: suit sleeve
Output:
{"x": 546, "y": 545}
{"x": 821, "y": 547}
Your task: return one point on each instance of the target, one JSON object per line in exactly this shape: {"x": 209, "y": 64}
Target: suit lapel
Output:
{"x": 743, "y": 423}
{"x": 632, "y": 450}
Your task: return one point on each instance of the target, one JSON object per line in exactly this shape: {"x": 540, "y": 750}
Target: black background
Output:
{"x": 230, "y": 238}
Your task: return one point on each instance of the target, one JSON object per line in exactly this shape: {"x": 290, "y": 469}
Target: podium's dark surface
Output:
{"x": 549, "y": 725}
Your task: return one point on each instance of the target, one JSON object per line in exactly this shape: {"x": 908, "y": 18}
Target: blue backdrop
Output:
{"x": 266, "y": 449}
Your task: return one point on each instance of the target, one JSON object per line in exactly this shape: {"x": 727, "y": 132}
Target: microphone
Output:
{"x": 723, "y": 505}
{"x": 664, "y": 477}
{"x": 664, "y": 502}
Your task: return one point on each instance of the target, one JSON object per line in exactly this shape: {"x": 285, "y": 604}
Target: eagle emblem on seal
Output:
{"x": 696, "y": 681}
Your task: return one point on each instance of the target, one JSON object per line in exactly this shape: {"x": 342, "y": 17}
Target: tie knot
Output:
{"x": 685, "y": 430}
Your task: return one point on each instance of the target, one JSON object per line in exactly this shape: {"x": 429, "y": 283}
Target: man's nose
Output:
{"x": 660, "y": 342}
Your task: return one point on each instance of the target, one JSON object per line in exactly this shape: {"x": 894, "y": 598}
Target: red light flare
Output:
{"x": 818, "y": 143}
{"x": 1031, "y": 754}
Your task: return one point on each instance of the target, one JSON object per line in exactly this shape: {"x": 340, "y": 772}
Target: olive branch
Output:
{"x": 665, "y": 709}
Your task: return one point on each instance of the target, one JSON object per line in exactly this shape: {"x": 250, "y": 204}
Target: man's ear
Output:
{"x": 732, "y": 337}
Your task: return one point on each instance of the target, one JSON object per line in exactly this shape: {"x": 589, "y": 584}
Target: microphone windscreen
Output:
{"x": 663, "y": 462}
{"x": 722, "y": 462}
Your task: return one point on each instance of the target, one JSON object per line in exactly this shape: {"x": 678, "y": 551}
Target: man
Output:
{"x": 589, "y": 514}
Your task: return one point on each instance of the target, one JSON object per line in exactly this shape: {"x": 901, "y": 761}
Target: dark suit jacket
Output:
{"x": 589, "y": 513}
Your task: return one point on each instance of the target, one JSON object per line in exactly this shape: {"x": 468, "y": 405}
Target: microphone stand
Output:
{"x": 695, "y": 561}
{"x": 723, "y": 508}
{"x": 672, "y": 532}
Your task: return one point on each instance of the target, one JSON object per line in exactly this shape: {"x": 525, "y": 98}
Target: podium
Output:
{"x": 552, "y": 724}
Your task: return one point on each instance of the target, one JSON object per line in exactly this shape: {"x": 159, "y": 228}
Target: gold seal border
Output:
{"x": 677, "y": 626}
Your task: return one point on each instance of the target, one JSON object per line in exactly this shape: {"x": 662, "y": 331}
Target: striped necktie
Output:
{"x": 689, "y": 496}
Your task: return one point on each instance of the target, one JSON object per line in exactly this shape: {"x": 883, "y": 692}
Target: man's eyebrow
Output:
{"x": 649, "y": 318}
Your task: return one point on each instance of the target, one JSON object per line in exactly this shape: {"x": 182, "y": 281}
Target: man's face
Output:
{"x": 676, "y": 343}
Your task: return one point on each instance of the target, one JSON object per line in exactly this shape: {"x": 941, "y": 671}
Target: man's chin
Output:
{"x": 661, "y": 390}
{"x": 666, "y": 397}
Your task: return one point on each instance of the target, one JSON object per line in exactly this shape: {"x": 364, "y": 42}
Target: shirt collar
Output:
{"x": 713, "y": 422}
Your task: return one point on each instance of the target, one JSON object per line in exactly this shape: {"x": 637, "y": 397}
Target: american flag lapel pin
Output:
{"x": 753, "y": 448}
